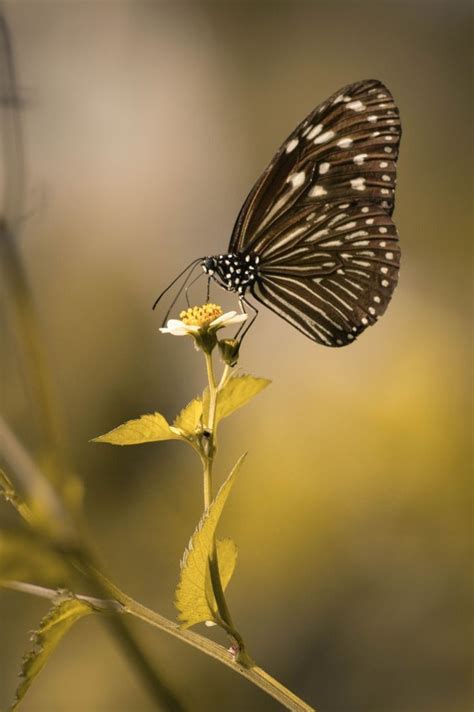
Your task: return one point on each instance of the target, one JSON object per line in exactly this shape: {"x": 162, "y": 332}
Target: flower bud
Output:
{"x": 229, "y": 349}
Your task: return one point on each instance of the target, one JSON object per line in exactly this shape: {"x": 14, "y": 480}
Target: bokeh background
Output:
{"x": 146, "y": 124}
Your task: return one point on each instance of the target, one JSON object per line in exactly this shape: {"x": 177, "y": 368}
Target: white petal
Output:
{"x": 222, "y": 318}
{"x": 174, "y": 332}
{"x": 178, "y": 328}
{"x": 227, "y": 319}
{"x": 237, "y": 319}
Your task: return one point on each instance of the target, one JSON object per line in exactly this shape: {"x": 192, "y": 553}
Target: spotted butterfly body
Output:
{"x": 314, "y": 240}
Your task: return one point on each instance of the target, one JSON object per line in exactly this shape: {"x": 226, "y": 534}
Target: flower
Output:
{"x": 198, "y": 320}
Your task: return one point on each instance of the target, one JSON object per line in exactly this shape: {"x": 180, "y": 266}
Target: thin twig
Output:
{"x": 124, "y": 604}
{"x": 99, "y": 604}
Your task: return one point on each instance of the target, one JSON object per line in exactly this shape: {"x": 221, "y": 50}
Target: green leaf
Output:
{"x": 195, "y": 599}
{"x": 8, "y": 492}
{"x": 189, "y": 420}
{"x": 147, "y": 429}
{"x": 52, "y": 628}
{"x": 237, "y": 392}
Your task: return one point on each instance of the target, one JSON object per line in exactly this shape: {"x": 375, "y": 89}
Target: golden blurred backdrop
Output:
{"x": 146, "y": 124}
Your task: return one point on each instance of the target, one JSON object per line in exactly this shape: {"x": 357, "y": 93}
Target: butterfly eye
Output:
{"x": 209, "y": 265}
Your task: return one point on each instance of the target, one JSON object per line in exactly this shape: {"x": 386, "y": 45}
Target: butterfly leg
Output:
{"x": 243, "y": 303}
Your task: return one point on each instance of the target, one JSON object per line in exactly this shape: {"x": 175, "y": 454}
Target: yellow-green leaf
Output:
{"x": 189, "y": 420}
{"x": 193, "y": 601}
{"x": 238, "y": 391}
{"x": 52, "y": 628}
{"x": 147, "y": 429}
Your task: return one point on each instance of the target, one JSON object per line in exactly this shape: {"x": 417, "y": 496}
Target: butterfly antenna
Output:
{"x": 180, "y": 290}
{"x": 192, "y": 264}
{"x": 191, "y": 284}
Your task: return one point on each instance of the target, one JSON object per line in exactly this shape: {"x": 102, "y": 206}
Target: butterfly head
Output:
{"x": 235, "y": 273}
{"x": 209, "y": 265}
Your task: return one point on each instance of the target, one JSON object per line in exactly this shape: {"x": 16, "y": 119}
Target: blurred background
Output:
{"x": 145, "y": 126}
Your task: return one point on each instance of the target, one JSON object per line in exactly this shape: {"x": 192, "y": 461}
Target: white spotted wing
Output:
{"x": 319, "y": 217}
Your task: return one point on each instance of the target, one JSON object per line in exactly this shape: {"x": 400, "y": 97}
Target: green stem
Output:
{"x": 226, "y": 374}
{"x": 208, "y": 462}
{"x": 211, "y": 414}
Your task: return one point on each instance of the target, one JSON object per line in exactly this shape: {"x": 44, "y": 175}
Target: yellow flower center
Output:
{"x": 200, "y": 316}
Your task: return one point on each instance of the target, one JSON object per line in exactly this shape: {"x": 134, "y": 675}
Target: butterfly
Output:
{"x": 314, "y": 240}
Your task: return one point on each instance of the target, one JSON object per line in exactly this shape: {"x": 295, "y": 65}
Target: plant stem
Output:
{"x": 125, "y": 604}
{"x": 211, "y": 414}
{"x": 226, "y": 374}
{"x": 223, "y": 615}
{"x": 210, "y": 425}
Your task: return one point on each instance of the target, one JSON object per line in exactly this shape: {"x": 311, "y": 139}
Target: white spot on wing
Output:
{"x": 345, "y": 142}
{"x": 317, "y": 191}
{"x": 323, "y": 138}
{"x": 356, "y": 105}
{"x": 315, "y": 131}
{"x": 360, "y": 158}
{"x": 291, "y": 145}
{"x": 336, "y": 219}
{"x": 317, "y": 235}
{"x": 332, "y": 243}
{"x": 347, "y": 226}
{"x": 358, "y": 183}
{"x": 324, "y": 167}
{"x": 358, "y": 233}
{"x": 296, "y": 179}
